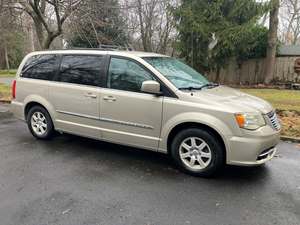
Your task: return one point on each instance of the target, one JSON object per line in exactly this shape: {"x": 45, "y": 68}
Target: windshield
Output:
{"x": 180, "y": 74}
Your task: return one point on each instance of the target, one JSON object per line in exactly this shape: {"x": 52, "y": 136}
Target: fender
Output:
{"x": 194, "y": 117}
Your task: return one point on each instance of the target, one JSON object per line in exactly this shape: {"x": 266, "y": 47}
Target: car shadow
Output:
{"x": 144, "y": 161}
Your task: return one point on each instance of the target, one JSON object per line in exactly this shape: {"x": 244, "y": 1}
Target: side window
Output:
{"x": 126, "y": 75}
{"x": 42, "y": 67}
{"x": 81, "y": 69}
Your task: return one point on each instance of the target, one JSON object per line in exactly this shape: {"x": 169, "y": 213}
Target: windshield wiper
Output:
{"x": 211, "y": 85}
{"x": 190, "y": 88}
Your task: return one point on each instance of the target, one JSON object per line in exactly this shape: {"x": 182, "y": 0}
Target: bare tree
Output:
{"x": 272, "y": 41}
{"x": 48, "y": 16}
{"x": 97, "y": 22}
{"x": 10, "y": 32}
{"x": 3, "y": 26}
{"x": 153, "y": 24}
{"x": 290, "y": 20}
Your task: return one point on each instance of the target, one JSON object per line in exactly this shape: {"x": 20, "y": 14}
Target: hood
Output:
{"x": 235, "y": 100}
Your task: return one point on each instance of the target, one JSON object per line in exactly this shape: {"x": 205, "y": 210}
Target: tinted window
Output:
{"x": 81, "y": 69}
{"x": 41, "y": 67}
{"x": 126, "y": 75}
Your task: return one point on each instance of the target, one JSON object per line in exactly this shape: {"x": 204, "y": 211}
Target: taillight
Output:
{"x": 13, "y": 89}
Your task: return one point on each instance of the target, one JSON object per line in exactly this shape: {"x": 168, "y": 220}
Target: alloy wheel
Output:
{"x": 39, "y": 123}
{"x": 195, "y": 153}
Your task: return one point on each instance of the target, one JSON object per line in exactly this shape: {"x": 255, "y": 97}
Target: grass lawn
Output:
{"x": 5, "y": 92}
{"x": 8, "y": 73}
{"x": 287, "y": 102}
{"x": 280, "y": 99}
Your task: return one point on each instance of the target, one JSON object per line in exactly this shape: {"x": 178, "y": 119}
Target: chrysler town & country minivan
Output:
{"x": 144, "y": 100}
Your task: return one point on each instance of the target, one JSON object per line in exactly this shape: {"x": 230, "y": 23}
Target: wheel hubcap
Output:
{"x": 195, "y": 153}
{"x": 39, "y": 123}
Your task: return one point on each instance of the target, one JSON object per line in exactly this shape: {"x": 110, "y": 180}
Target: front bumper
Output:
{"x": 254, "y": 148}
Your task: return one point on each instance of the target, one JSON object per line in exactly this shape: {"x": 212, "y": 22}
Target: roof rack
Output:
{"x": 114, "y": 47}
{"x": 104, "y": 48}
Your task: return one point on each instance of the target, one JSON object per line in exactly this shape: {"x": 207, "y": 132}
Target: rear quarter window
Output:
{"x": 43, "y": 67}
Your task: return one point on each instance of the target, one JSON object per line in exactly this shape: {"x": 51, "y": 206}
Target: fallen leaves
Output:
{"x": 290, "y": 121}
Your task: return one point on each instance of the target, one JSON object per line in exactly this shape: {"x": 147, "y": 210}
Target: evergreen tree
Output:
{"x": 233, "y": 24}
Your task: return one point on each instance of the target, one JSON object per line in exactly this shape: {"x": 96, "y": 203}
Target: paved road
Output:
{"x": 6, "y": 80}
{"x": 72, "y": 180}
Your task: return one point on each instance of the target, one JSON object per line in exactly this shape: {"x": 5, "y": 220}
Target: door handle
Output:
{"x": 90, "y": 95}
{"x": 109, "y": 98}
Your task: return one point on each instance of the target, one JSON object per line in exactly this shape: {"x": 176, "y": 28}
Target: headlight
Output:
{"x": 250, "y": 121}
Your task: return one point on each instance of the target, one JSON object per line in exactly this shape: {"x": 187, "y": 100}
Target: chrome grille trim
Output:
{"x": 274, "y": 121}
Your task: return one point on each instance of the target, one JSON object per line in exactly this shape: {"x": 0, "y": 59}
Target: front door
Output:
{"x": 127, "y": 115}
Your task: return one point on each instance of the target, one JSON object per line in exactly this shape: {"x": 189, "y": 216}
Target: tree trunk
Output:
{"x": 239, "y": 71}
{"x": 49, "y": 39}
{"x": 6, "y": 58}
{"x": 31, "y": 37}
{"x": 39, "y": 33}
{"x": 218, "y": 73}
{"x": 272, "y": 42}
{"x": 142, "y": 29}
{"x": 47, "y": 43}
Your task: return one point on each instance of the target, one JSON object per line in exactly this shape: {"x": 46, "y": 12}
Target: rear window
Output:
{"x": 81, "y": 69}
{"x": 41, "y": 67}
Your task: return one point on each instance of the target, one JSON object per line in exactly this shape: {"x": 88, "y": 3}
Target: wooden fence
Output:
{"x": 252, "y": 72}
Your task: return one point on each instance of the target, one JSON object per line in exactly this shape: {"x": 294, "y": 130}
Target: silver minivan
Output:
{"x": 144, "y": 100}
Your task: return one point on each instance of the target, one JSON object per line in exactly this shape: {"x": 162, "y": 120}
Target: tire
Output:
{"x": 197, "y": 152}
{"x": 40, "y": 123}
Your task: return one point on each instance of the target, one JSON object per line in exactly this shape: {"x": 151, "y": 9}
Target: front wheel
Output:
{"x": 197, "y": 152}
{"x": 39, "y": 123}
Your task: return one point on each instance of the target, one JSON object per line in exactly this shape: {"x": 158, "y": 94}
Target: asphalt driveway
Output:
{"x": 72, "y": 180}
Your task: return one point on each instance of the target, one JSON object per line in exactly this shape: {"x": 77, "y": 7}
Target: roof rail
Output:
{"x": 114, "y": 47}
{"x": 104, "y": 48}
{"x": 78, "y": 48}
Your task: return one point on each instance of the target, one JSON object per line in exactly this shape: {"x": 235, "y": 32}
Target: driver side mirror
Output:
{"x": 151, "y": 87}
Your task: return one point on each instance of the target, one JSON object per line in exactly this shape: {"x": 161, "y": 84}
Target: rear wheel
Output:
{"x": 39, "y": 123}
{"x": 197, "y": 152}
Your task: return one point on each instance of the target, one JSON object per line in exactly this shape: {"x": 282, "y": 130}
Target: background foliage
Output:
{"x": 97, "y": 22}
{"x": 231, "y": 24}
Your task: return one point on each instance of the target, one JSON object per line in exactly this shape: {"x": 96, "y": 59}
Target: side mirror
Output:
{"x": 151, "y": 87}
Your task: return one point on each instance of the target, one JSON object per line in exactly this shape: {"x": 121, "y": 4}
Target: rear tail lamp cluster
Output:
{"x": 13, "y": 89}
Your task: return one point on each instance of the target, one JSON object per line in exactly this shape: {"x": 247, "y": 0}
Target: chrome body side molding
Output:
{"x": 145, "y": 126}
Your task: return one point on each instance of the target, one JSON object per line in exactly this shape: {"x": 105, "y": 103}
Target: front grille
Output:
{"x": 274, "y": 122}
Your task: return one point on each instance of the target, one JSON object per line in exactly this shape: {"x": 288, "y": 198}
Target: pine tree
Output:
{"x": 233, "y": 24}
